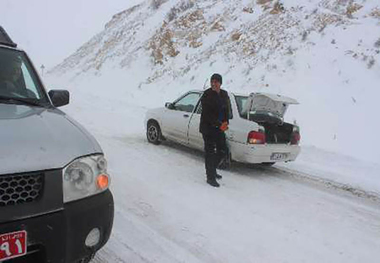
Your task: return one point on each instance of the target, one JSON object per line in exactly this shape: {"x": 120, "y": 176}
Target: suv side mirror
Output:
{"x": 169, "y": 105}
{"x": 59, "y": 97}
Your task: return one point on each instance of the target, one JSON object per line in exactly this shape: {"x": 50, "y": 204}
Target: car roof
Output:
{"x": 239, "y": 94}
{"x": 10, "y": 48}
{"x": 5, "y": 39}
{"x": 233, "y": 93}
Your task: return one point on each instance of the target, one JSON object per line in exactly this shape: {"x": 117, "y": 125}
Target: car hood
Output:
{"x": 267, "y": 102}
{"x": 34, "y": 139}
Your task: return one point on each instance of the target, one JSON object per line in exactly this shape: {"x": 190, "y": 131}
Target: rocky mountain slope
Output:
{"x": 187, "y": 33}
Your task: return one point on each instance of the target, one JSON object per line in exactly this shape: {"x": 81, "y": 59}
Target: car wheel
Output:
{"x": 225, "y": 163}
{"x": 153, "y": 133}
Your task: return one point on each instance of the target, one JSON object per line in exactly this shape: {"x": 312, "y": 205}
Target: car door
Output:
{"x": 176, "y": 118}
{"x": 195, "y": 137}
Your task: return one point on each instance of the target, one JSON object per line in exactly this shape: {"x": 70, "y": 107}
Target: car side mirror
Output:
{"x": 59, "y": 97}
{"x": 169, "y": 105}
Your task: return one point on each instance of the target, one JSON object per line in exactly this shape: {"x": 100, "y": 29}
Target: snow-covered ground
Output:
{"x": 165, "y": 212}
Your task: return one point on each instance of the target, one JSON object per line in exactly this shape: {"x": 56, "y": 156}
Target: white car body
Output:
{"x": 183, "y": 127}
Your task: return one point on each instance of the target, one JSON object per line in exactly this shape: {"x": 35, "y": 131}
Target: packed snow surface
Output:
{"x": 165, "y": 211}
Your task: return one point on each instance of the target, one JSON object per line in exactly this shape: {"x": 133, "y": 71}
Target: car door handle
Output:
{"x": 186, "y": 116}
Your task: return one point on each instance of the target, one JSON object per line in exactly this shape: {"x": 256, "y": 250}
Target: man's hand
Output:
{"x": 224, "y": 126}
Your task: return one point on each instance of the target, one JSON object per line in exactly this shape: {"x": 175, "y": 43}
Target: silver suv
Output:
{"x": 55, "y": 204}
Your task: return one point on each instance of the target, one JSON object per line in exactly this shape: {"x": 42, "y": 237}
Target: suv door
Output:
{"x": 176, "y": 120}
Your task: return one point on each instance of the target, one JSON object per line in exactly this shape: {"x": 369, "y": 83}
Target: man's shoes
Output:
{"x": 218, "y": 176}
{"x": 213, "y": 183}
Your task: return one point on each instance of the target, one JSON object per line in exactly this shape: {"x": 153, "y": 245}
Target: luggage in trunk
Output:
{"x": 275, "y": 133}
{"x": 268, "y": 110}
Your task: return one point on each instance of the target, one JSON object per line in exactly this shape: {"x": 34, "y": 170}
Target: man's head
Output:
{"x": 216, "y": 81}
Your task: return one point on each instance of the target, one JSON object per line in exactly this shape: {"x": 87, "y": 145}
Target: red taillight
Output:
{"x": 296, "y": 137}
{"x": 255, "y": 137}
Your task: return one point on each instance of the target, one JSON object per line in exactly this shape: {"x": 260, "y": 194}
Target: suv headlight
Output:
{"x": 85, "y": 177}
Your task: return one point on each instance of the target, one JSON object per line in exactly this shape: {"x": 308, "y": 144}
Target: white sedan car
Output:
{"x": 256, "y": 134}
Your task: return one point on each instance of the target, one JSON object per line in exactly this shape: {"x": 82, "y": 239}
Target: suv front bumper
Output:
{"x": 60, "y": 236}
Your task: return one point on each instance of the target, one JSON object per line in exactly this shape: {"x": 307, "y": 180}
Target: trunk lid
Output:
{"x": 273, "y": 105}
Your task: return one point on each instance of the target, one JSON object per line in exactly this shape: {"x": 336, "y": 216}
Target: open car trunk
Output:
{"x": 268, "y": 110}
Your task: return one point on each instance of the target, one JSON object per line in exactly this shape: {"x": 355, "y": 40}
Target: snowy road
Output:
{"x": 165, "y": 212}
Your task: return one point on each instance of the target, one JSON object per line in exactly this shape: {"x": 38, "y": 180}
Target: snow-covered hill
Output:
{"x": 325, "y": 53}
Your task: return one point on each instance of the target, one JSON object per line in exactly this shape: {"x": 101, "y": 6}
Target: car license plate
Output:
{"x": 278, "y": 156}
{"x": 12, "y": 245}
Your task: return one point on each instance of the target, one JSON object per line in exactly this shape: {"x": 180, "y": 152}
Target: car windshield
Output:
{"x": 18, "y": 81}
{"x": 241, "y": 101}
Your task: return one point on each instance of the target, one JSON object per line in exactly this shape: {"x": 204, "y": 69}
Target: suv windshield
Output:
{"x": 18, "y": 81}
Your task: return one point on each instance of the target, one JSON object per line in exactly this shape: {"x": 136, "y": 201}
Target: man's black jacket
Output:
{"x": 214, "y": 104}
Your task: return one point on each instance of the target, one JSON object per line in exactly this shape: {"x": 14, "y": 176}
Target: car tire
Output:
{"x": 225, "y": 164}
{"x": 153, "y": 133}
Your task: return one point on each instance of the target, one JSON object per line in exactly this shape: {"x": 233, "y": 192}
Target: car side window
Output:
{"x": 29, "y": 81}
{"x": 187, "y": 103}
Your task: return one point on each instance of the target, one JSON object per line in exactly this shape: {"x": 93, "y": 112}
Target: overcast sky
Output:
{"x": 51, "y": 30}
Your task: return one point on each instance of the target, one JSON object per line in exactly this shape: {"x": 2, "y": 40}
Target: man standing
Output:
{"x": 214, "y": 122}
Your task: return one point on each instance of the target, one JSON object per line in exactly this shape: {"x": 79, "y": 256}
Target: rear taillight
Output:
{"x": 296, "y": 137}
{"x": 255, "y": 137}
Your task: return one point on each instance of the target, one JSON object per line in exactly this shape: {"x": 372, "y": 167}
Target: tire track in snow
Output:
{"x": 326, "y": 183}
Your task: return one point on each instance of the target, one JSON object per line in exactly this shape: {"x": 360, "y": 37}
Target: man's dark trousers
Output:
{"x": 215, "y": 150}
